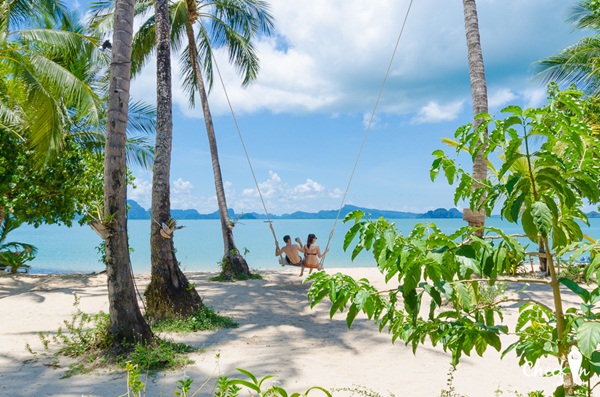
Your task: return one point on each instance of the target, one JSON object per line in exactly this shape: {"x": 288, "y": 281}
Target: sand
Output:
{"x": 278, "y": 334}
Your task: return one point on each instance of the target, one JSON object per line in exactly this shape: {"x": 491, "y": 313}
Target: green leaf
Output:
{"x": 573, "y": 286}
{"x": 542, "y": 218}
{"x": 352, "y": 312}
{"x": 360, "y": 298}
{"x": 588, "y": 337}
{"x": 350, "y": 234}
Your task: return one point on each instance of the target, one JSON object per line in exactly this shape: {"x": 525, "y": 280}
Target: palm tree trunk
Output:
{"x": 233, "y": 264}
{"x": 169, "y": 293}
{"x": 126, "y": 321}
{"x": 476, "y": 218}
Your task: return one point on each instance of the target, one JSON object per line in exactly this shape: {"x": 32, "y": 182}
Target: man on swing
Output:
{"x": 291, "y": 251}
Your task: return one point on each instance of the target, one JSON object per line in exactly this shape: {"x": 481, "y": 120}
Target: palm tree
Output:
{"x": 31, "y": 55}
{"x": 200, "y": 26}
{"x": 126, "y": 321}
{"x": 578, "y": 63}
{"x": 476, "y": 218}
{"x": 169, "y": 293}
{"x": 232, "y": 24}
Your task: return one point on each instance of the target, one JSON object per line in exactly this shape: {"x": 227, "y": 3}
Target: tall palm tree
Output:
{"x": 169, "y": 293}
{"x": 220, "y": 23}
{"x": 200, "y": 26}
{"x": 578, "y": 63}
{"x": 476, "y": 218}
{"x": 126, "y": 321}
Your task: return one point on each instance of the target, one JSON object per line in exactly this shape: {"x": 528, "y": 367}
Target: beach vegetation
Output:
{"x": 87, "y": 339}
{"x": 547, "y": 171}
{"x": 206, "y": 319}
{"x": 224, "y": 386}
{"x": 227, "y": 273}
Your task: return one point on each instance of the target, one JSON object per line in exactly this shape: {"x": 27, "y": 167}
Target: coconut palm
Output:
{"x": 578, "y": 63}
{"x": 169, "y": 293}
{"x": 126, "y": 321}
{"x": 200, "y": 27}
{"x": 31, "y": 51}
{"x": 476, "y": 217}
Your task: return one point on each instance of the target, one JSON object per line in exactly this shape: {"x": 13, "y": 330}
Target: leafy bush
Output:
{"x": 549, "y": 169}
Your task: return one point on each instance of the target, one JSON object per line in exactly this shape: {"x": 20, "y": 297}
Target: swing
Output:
{"x": 282, "y": 260}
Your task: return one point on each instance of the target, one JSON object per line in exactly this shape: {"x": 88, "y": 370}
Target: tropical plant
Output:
{"x": 479, "y": 99}
{"x": 560, "y": 152}
{"x": 169, "y": 293}
{"x": 127, "y": 324}
{"x": 40, "y": 96}
{"x": 200, "y": 27}
{"x": 14, "y": 255}
{"x": 577, "y": 64}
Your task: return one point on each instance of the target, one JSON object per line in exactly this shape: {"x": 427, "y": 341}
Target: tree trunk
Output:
{"x": 169, "y": 293}
{"x": 126, "y": 321}
{"x": 476, "y": 218}
{"x": 233, "y": 263}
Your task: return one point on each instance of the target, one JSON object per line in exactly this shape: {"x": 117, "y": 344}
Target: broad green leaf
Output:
{"x": 350, "y": 234}
{"x": 588, "y": 337}
{"x": 542, "y": 217}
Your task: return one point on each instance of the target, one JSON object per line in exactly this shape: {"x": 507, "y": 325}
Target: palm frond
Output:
{"x": 585, "y": 14}
{"x": 144, "y": 42}
{"x": 142, "y": 118}
{"x": 189, "y": 83}
{"x": 139, "y": 151}
{"x": 577, "y": 64}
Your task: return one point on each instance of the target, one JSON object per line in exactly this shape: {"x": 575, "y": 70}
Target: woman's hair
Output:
{"x": 309, "y": 240}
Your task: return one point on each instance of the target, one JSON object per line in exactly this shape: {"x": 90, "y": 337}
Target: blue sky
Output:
{"x": 304, "y": 119}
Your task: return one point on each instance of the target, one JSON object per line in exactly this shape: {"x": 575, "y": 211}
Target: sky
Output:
{"x": 304, "y": 119}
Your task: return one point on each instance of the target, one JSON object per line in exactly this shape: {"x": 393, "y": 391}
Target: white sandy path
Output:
{"x": 278, "y": 334}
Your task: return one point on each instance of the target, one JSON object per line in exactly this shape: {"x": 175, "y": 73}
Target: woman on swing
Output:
{"x": 312, "y": 254}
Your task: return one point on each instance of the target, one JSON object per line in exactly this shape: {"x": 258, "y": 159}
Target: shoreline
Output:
{"x": 278, "y": 334}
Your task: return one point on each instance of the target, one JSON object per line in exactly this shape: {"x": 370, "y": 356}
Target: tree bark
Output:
{"x": 234, "y": 265}
{"x": 169, "y": 294}
{"x": 126, "y": 321}
{"x": 476, "y": 218}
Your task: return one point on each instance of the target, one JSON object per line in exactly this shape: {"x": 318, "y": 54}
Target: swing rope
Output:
{"x": 237, "y": 127}
{"x": 322, "y": 262}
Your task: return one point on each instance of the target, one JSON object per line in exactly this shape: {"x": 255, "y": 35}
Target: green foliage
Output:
{"x": 225, "y": 387}
{"x": 228, "y": 274}
{"x": 86, "y": 338}
{"x": 156, "y": 355}
{"x": 548, "y": 170}
{"x": 204, "y": 319}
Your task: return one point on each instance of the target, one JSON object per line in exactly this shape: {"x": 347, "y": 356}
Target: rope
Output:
{"x": 321, "y": 263}
{"x": 237, "y": 127}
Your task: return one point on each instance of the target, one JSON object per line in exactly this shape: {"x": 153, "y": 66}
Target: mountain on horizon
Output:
{"x": 136, "y": 211}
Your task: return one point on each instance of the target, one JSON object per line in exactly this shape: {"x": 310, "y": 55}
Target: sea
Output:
{"x": 199, "y": 243}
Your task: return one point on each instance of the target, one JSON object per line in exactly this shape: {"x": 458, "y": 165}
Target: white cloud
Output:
{"x": 331, "y": 57}
{"x": 535, "y": 97}
{"x": 283, "y": 197}
{"x": 436, "y": 113}
{"x": 142, "y": 193}
{"x": 501, "y": 98}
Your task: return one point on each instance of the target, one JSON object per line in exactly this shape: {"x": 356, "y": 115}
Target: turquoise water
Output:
{"x": 200, "y": 246}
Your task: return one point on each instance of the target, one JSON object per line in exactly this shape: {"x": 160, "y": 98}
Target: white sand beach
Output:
{"x": 278, "y": 334}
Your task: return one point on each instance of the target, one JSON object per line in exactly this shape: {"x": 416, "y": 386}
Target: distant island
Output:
{"x": 136, "y": 211}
